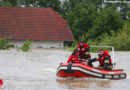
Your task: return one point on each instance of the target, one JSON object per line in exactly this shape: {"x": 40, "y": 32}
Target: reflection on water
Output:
{"x": 83, "y": 83}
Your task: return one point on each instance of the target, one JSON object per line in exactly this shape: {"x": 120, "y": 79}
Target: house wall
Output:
{"x": 116, "y": 1}
{"x": 39, "y": 44}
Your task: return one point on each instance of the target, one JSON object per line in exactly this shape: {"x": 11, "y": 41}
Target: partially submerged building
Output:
{"x": 42, "y": 25}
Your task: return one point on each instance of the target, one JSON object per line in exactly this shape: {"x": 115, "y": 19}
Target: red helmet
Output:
{"x": 106, "y": 52}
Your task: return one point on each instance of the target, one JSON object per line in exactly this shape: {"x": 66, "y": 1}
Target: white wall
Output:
{"x": 39, "y": 44}
{"x": 116, "y": 1}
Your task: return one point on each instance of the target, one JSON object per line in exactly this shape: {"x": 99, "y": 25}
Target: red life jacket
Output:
{"x": 73, "y": 58}
{"x": 83, "y": 50}
{"x": 102, "y": 59}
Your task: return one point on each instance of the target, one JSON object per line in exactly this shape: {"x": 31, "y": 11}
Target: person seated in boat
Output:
{"x": 83, "y": 49}
{"x": 104, "y": 60}
{"x": 74, "y": 57}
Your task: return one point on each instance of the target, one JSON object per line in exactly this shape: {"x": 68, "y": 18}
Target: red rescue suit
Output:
{"x": 103, "y": 58}
{"x": 83, "y": 50}
{"x": 73, "y": 59}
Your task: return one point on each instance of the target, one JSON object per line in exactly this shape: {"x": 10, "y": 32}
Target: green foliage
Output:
{"x": 13, "y": 2}
{"x": 89, "y": 19}
{"x": 5, "y": 4}
{"x": 26, "y": 46}
{"x": 71, "y": 49}
{"x": 128, "y": 14}
{"x": 120, "y": 40}
{"x": 90, "y": 42}
{"x": 125, "y": 8}
{"x": 81, "y": 18}
{"x": 4, "y": 43}
{"x": 55, "y": 4}
{"x": 107, "y": 20}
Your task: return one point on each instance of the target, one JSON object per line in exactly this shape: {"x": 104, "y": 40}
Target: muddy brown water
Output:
{"x": 36, "y": 70}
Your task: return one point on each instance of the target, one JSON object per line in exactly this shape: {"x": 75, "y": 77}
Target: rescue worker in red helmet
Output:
{"x": 74, "y": 57}
{"x": 83, "y": 49}
{"x": 104, "y": 59}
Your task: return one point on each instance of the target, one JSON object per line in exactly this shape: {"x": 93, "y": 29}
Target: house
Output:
{"x": 41, "y": 25}
{"x": 117, "y": 1}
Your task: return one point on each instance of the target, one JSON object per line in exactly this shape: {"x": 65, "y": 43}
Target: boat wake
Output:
{"x": 128, "y": 75}
{"x": 49, "y": 69}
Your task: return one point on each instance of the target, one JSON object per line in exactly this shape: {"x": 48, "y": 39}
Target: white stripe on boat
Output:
{"x": 80, "y": 69}
{"x": 86, "y": 71}
{"x": 108, "y": 76}
{"x": 96, "y": 70}
{"x": 61, "y": 68}
{"x": 99, "y": 74}
{"x": 116, "y": 76}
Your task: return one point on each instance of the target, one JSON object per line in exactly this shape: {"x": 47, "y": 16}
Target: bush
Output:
{"x": 5, "y": 4}
{"x": 4, "y": 43}
{"x": 120, "y": 40}
{"x": 26, "y": 46}
{"x": 90, "y": 42}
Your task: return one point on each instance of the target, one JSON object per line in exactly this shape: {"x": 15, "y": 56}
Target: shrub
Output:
{"x": 5, "y": 4}
{"x": 26, "y": 46}
{"x": 90, "y": 42}
{"x": 120, "y": 40}
{"x": 4, "y": 43}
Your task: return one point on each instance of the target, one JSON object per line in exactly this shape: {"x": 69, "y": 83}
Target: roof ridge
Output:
{"x": 23, "y": 7}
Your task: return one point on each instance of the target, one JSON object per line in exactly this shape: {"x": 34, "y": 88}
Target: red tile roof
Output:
{"x": 34, "y": 24}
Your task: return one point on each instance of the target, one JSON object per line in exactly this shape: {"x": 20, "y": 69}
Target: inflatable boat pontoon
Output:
{"x": 81, "y": 70}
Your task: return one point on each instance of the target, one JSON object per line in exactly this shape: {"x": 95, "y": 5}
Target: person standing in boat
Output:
{"x": 84, "y": 50}
{"x": 104, "y": 59}
{"x": 74, "y": 58}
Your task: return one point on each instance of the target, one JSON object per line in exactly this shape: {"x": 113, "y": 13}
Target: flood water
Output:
{"x": 36, "y": 70}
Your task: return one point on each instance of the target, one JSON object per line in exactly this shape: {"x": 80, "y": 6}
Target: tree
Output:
{"x": 107, "y": 20}
{"x": 81, "y": 18}
{"x": 91, "y": 21}
{"x": 13, "y": 2}
{"x": 5, "y": 4}
{"x": 122, "y": 7}
{"x": 8, "y": 3}
{"x": 55, "y": 4}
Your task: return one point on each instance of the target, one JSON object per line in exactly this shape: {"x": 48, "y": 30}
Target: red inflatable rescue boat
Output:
{"x": 81, "y": 70}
